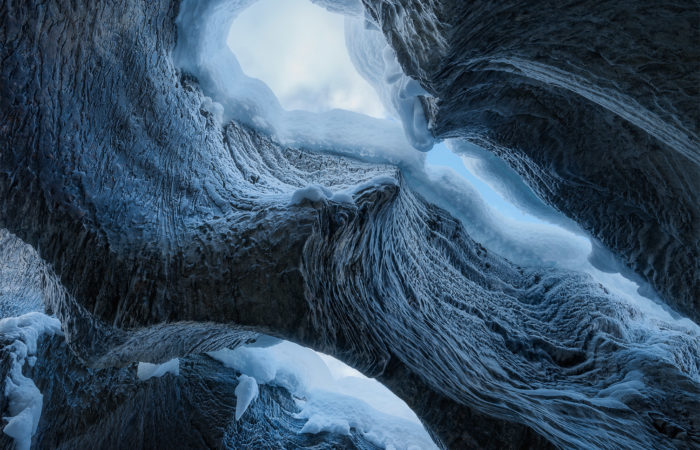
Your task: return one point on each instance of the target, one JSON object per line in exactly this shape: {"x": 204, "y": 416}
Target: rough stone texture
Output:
{"x": 595, "y": 104}
{"x": 166, "y": 234}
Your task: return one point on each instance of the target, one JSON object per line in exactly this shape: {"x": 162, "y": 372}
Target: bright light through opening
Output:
{"x": 298, "y": 49}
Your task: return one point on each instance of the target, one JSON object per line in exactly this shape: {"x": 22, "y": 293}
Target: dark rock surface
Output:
{"x": 166, "y": 235}
{"x": 595, "y": 104}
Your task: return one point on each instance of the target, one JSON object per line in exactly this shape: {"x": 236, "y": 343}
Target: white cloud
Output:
{"x": 298, "y": 49}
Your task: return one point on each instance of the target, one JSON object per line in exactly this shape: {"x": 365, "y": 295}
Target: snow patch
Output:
{"x": 203, "y": 52}
{"x": 24, "y": 399}
{"x": 246, "y": 392}
{"x": 376, "y": 61}
{"x": 147, "y": 370}
{"x": 312, "y": 193}
{"x": 331, "y": 396}
{"x": 338, "y": 413}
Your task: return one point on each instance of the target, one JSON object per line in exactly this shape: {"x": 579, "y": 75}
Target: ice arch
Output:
{"x": 202, "y": 51}
{"x": 151, "y": 215}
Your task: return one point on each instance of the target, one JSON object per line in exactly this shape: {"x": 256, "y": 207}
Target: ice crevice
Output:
{"x": 232, "y": 95}
{"x": 202, "y": 51}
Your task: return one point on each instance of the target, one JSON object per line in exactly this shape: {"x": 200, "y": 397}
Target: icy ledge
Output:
{"x": 231, "y": 95}
{"x": 334, "y": 401}
{"x": 24, "y": 399}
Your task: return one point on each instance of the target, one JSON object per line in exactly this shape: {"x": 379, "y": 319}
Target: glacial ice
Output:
{"x": 246, "y": 392}
{"x": 330, "y": 400}
{"x": 202, "y": 51}
{"x": 148, "y": 370}
{"x": 25, "y": 400}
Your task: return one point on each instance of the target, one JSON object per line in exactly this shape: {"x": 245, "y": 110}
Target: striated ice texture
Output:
{"x": 24, "y": 401}
{"x": 172, "y": 216}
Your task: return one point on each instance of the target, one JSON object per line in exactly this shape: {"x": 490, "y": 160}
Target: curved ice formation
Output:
{"x": 148, "y": 370}
{"x": 202, "y": 51}
{"x": 246, "y": 392}
{"x": 155, "y": 227}
{"x": 196, "y": 409}
{"x": 21, "y": 398}
{"x": 595, "y": 107}
{"x": 327, "y": 403}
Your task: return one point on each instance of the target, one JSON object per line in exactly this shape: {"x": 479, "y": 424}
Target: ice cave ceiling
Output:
{"x": 188, "y": 252}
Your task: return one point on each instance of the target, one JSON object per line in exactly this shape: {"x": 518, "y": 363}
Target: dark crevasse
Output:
{"x": 152, "y": 232}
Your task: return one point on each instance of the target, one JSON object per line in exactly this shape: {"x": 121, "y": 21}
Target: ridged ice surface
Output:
{"x": 111, "y": 408}
{"x": 545, "y": 347}
{"x": 153, "y": 231}
{"x": 594, "y": 105}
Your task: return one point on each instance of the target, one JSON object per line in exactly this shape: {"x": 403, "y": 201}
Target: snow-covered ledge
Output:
{"x": 202, "y": 51}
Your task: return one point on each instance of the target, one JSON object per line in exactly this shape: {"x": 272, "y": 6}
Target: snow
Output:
{"x": 312, "y": 193}
{"x": 246, "y": 392}
{"x": 376, "y": 61}
{"x": 147, "y": 370}
{"x": 317, "y": 193}
{"x": 332, "y": 396}
{"x": 338, "y": 413}
{"x": 24, "y": 399}
{"x": 202, "y": 50}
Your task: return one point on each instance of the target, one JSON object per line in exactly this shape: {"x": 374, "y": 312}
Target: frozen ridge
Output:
{"x": 18, "y": 336}
{"x": 329, "y": 401}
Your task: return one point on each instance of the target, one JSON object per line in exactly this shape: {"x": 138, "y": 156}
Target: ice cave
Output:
{"x": 362, "y": 224}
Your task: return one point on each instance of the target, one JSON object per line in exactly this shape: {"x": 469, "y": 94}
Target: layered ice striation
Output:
{"x": 595, "y": 108}
{"x": 162, "y": 205}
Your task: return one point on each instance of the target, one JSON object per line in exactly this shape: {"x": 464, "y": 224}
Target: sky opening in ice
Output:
{"x": 305, "y": 60}
{"x": 277, "y": 42}
{"x": 309, "y": 60}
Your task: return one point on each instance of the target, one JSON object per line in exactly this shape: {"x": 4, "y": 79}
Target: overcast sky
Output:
{"x": 298, "y": 50}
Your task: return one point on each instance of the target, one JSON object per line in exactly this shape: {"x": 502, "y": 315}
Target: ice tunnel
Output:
{"x": 400, "y": 224}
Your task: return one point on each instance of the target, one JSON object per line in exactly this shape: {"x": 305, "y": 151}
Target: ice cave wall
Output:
{"x": 166, "y": 234}
{"x": 594, "y": 104}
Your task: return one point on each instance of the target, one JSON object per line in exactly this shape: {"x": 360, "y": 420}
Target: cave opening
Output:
{"x": 238, "y": 167}
{"x": 298, "y": 49}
